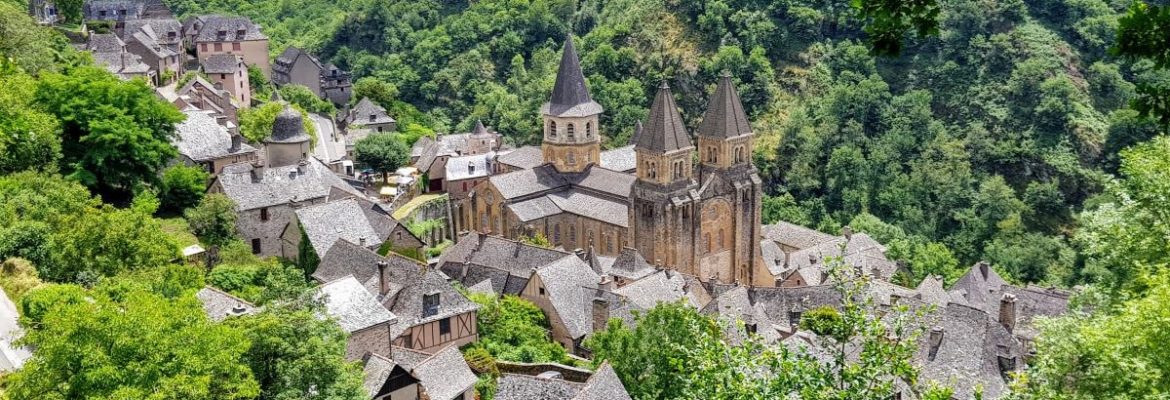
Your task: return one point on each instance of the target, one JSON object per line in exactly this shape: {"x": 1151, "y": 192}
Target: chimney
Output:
{"x": 847, "y": 232}
{"x": 600, "y": 313}
{"x": 1007, "y": 311}
{"x": 936, "y": 338}
{"x": 983, "y": 269}
{"x": 257, "y": 170}
{"x": 606, "y": 283}
{"x": 383, "y": 284}
{"x": 362, "y": 241}
{"x": 237, "y": 140}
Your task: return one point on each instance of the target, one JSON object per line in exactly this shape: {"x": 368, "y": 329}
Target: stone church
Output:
{"x": 702, "y": 220}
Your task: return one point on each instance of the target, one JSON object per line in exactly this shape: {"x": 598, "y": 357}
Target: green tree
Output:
{"x": 295, "y": 355}
{"x": 380, "y": 92}
{"x": 106, "y": 241}
{"x": 28, "y": 137}
{"x": 70, "y": 10}
{"x": 307, "y": 100}
{"x": 116, "y": 134}
{"x": 183, "y": 186}
{"x": 256, "y": 122}
{"x": 1115, "y": 353}
{"x": 121, "y": 341}
{"x": 213, "y": 221}
{"x": 27, "y": 45}
{"x": 384, "y": 153}
{"x": 514, "y": 329}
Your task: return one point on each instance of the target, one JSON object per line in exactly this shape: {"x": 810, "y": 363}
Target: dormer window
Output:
{"x": 430, "y": 304}
{"x": 794, "y": 318}
{"x": 102, "y": 13}
{"x": 241, "y": 32}
{"x": 373, "y": 117}
{"x": 470, "y": 169}
{"x": 221, "y": 34}
{"x": 172, "y": 35}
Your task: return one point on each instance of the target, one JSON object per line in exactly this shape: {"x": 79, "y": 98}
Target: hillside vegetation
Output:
{"x": 982, "y": 142}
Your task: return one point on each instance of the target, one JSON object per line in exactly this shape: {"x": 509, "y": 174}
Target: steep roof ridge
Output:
{"x": 570, "y": 89}
{"x": 664, "y": 130}
{"x": 725, "y": 117}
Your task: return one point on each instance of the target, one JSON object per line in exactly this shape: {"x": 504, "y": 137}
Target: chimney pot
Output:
{"x": 600, "y": 313}
{"x": 383, "y": 283}
{"x": 1007, "y": 311}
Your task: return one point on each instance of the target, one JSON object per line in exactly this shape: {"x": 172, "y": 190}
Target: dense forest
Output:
{"x": 982, "y": 142}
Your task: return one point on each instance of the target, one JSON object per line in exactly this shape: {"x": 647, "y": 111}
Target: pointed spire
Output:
{"x": 570, "y": 96}
{"x": 479, "y": 128}
{"x": 637, "y": 132}
{"x": 725, "y": 117}
{"x": 664, "y": 130}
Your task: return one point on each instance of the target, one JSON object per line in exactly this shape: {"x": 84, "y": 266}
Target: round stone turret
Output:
{"x": 289, "y": 143}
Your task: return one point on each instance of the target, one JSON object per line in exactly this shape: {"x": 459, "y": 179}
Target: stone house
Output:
{"x": 216, "y": 35}
{"x": 365, "y": 114}
{"x": 297, "y": 67}
{"x": 603, "y": 384}
{"x": 268, "y": 192}
{"x": 203, "y": 140}
{"x": 168, "y": 32}
{"x": 162, "y": 60}
{"x": 354, "y": 220}
{"x": 494, "y": 263}
{"x": 359, "y": 314}
{"x": 203, "y": 95}
{"x": 408, "y": 374}
{"x": 116, "y": 11}
{"x": 220, "y": 305}
{"x": 229, "y": 72}
{"x": 44, "y": 12}
{"x": 430, "y": 313}
{"x": 110, "y": 52}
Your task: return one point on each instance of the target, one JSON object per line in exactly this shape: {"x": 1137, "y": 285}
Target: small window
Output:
{"x": 556, "y": 238}
{"x": 203, "y": 47}
{"x": 445, "y": 326}
{"x": 794, "y": 318}
{"x": 588, "y": 129}
{"x": 430, "y": 304}
{"x": 552, "y": 128}
{"x": 570, "y": 132}
{"x": 236, "y": 46}
{"x": 541, "y": 290}
{"x": 407, "y": 340}
{"x": 218, "y": 46}
{"x": 571, "y": 159}
{"x": 572, "y": 234}
{"x": 255, "y": 246}
{"x": 264, "y": 214}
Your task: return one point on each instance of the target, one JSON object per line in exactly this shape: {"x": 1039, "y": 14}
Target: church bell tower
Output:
{"x": 572, "y": 133}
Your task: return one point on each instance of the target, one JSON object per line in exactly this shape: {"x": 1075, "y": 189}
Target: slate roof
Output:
{"x": 570, "y": 95}
{"x": 736, "y": 305}
{"x": 222, "y": 64}
{"x": 375, "y": 372}
{"x": 93, "y": 8}
{"x": 591, "y": 206}
{"x": 104, "y": 43}
{"x": 529, "y": 181}
{"x": 360, "y": 114}
{"x": 621, "y": 159}
{"x": 125, "y": 65}
{"x": 444, "y": 375}
{"x": 631, "y": 265}
{"x": 354, "y": 308}
{"x": 161, "y": 27}
{"x": 200, "y": 137}
{"x": 526, "y": 157}
{"x": 525, "y": 387}
{"x": 567, "y": 282}
{"x": 794, "y": 236}
{"x": 349, "y": 219}
{"x": 280, "y": 185}
{"x": 725, "y": 117}
{"x": 407, "y": 281}
{"x": 778, "y": 302}
{"x": 214, "y": 24}
{"x": 220, "y": 305}
{"x": 665, "y": 131}
{"x": 504, "y": 264}
{"x": 289, "y": 127}
{"x": 968, "y": 353}
{"x": 469, "y": 167}
{"x": 860, "y": 251}
{"x": 603, "y": 385}
{"x": 150, "y": 41}
{"x": 660, "y": 287}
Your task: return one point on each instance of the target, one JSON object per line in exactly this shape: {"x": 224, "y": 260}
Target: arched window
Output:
{"x": 557, "y": 233}
{"x": 588, "y": 129}
{"x": 653, "y": 171}
{"x": 572, "y": 234}
{"x": 552, "y": 128}
{"x": 571, "y": 158}
{"x": 569, "y": 130}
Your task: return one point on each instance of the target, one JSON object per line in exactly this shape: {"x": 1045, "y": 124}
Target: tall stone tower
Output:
{"x": 572, "y": 134}
{"x": 662, "y": 207}
{"x": 731, "y": 191}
